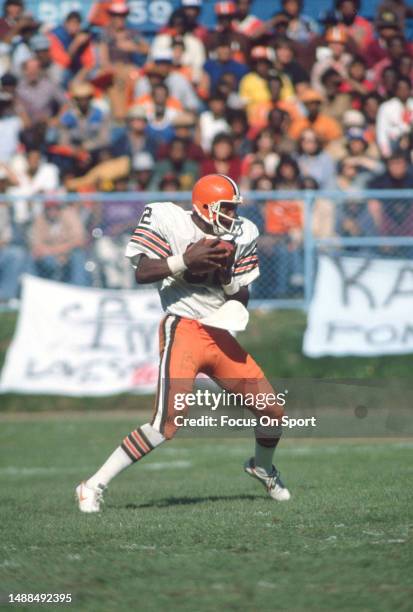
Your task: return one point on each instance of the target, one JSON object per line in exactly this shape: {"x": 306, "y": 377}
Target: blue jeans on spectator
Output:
{"x": 12, "y": 265}
{"x": 72, "y": 271}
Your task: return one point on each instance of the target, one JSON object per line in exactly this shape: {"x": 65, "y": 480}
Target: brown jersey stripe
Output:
{"x": 147, "y": 243}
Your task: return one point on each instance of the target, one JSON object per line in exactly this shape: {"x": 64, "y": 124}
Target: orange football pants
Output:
{"x": 187, "y": 348}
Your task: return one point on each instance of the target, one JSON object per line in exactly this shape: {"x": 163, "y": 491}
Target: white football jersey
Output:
{"x": 166, "y": 229}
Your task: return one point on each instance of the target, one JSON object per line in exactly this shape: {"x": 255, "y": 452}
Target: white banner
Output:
{"x": 361, "y": 307}
{"x": 83, "y": 341}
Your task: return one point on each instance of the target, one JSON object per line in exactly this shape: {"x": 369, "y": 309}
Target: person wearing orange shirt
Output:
{"x": 326, "y": 128}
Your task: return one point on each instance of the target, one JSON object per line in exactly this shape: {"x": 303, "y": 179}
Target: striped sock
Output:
{"x": 136, "y": 445}
{"x": 141, "y": 441}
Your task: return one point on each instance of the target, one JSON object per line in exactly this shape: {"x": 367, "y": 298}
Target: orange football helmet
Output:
{"x": 208, "y": 195}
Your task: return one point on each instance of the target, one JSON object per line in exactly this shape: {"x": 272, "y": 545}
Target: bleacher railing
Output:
{"x": 294, "y": 227}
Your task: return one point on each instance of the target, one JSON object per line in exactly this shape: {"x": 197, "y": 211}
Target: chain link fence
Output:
{"x": 81, "y": 239}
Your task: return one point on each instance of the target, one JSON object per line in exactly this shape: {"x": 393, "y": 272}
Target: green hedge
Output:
{"x": 273, "y": 338}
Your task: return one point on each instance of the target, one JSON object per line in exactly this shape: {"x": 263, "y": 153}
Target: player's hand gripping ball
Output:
{"x": 208, "y": 254}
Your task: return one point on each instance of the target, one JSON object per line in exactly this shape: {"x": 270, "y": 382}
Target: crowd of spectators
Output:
{"x": 288, "y": 103}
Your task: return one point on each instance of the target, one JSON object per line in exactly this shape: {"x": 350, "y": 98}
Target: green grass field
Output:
{"x": 187, "y": 530}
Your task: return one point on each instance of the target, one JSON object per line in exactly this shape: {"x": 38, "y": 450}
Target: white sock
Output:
{"x": 117, "y": 462}
{"x": 263, "y": 457}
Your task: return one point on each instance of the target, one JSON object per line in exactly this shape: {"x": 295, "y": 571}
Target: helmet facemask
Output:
{"x": 222, "y": 223}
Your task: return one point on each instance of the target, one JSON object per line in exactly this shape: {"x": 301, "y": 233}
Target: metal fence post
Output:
{"x": 308, "y": 249}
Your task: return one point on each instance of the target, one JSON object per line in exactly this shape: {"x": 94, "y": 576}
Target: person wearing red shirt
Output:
{"x": 222, "y": 159}
{"x": 357, "y": 28}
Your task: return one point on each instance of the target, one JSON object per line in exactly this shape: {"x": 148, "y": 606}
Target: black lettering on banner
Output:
{"x": 353, "y": 281}
{"x": 381, "y": 334}
{"x": 334, "y": 328}
{"x": 407, "y": 334}
{"x": 113, "y": 311}
{"x": 398, "y": 290}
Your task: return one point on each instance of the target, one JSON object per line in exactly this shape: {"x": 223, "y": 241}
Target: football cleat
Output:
{"x": 272, "y": 482}
{"x": 89, "y": 498}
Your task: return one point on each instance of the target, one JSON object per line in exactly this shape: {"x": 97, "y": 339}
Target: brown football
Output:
{"x": 223, "y": 244}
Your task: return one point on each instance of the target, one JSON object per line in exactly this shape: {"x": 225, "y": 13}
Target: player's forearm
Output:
{"x": 151, "y": 270}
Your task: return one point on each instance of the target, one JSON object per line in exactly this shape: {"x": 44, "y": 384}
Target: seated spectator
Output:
{"x": 326, "y": 128}
{"x": 13, "y": 21}
{"x": 370, "y": 107}
{"x": 357, "y": 28}
{"x": 246, "y": 22}
{"x": 71, "y": 47}
{"x": 386, "y": 26}
{"x": 334, "y": 56}
{"x": 359, "y": 154}
{"x": 82, "y": 125}
{"x": 33, "y": 175}
{"x": 336, "y": 103}
{"x": 222, "y": 63}
{"x": 177, "y": 164}
{"x": 11, "y": 125}
{"x": 40, "y": 46}
{"x": 134, "y": 137}
{"x": 254, "y": 88}
{"x": 286, "y": 64}
{"x": 212, "y": 122}
{"x": 388, "y": 82}
{"x": 226, "y": 26}
{"x": 301, "y": 28}
{"x": 119, "y": 49}
{"x": 161, "y": 110}
{"x": 282, "y": 242}
{"x": 20, "y": 50}
{"x": 169, "y": 183}
{"x": 279, "y": 121}
{"x": 313, "y": 161}
{"x": 238, "y": 123}
{"x": 167, "y": 74}
{"x": 399, "y": 8}
{"x": 194, "y": 55}
{"x": 297, "y": 27}
{"x": 12, "y": 255}
{"x": 397, "y": 175}
{"x": 264, "y": 150}
{"x": 58, "y": 241}
{"x": 222, "y": 159}
{"x": 356, "y": 83}
{"x": 395, "y": 117}
{"x": 143, "y": 166}
{"x": 406, "y": 66}
{"x": 226, "y": 88}
{"x": 40, "y": 97}
{"x": 191, "y": 10}
{"x": 396, "y": 48}
{"x": 199, "y": 81}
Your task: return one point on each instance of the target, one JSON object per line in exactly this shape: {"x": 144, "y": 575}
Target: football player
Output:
{"x": 203, "y": 261}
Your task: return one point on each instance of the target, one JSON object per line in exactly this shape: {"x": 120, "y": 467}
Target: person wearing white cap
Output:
{"x": 194, "y": 53}
{"x": 175, "y": 81}
{"x": 117, "y": 51}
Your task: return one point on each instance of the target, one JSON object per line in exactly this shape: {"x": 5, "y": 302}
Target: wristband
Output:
{"x": 176, "y": 264}
{"x": 231, "y": 288}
